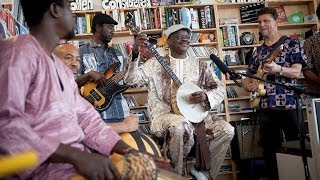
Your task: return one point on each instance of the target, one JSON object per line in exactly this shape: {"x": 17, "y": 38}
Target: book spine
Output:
{"x": 88, "y": 23}
{"x": 202, "y": 18}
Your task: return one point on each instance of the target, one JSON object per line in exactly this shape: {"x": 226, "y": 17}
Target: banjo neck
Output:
{"x": 135, "y": 30}
{"x": 165, "y": 65}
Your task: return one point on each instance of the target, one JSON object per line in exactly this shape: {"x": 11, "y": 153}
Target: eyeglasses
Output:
{"x": 180, "y": 37}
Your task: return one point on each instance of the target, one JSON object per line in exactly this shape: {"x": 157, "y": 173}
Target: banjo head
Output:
{"x": 195, "y": 113}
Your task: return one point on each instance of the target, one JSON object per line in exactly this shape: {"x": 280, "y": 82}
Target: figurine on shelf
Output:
{"x": 212, "y": 37}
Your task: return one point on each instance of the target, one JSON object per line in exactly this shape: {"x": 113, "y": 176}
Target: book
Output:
{"x": 282, "y": 17}
{"x": 194, "y": 18}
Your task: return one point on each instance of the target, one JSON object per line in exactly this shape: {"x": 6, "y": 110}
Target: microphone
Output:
{"x": 225, "y": 70}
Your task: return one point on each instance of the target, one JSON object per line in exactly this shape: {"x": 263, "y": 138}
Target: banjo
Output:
{"x": 195, "y": 113}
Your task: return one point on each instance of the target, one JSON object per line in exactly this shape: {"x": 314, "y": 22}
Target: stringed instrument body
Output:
{"x": 256, "y": 96}
{"x": 102, "y": 95}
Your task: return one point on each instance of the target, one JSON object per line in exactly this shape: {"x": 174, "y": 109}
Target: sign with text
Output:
{"x": 81, "y": 5}
{"x": 84, "y": 5}
{"x": 115, "y": 4}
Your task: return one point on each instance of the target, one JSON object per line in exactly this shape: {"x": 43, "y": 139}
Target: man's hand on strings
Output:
{"x": 97, "y": 77}
{"x": 249, "y": 85}
{"x": 272, "y": 68}
{"x": 198, "y": 97}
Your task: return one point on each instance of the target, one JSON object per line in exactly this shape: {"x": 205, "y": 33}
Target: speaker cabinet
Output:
{"x": 245, "y": 144}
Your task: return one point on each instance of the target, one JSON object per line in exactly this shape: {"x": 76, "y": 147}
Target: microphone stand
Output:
{"x": 234, "y": 76}
{"x": 297, "y": 92}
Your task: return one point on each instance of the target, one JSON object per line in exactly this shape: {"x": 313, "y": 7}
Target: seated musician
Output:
{"x": 41, "y": 109}
{"x": 177, "y": 130}
{"x": 70, "y": 56}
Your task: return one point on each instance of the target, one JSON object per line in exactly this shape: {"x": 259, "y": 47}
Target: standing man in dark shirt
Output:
{"x": 278, "y": 106}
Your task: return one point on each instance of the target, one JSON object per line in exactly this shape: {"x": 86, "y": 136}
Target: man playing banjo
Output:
{"x": 181, "y": 131}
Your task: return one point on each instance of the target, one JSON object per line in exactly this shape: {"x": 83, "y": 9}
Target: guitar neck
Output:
{"x": 119, "y": 76}
{"x": 165, "y": 65}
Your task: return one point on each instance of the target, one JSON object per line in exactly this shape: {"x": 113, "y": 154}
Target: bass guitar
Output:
{"x": 101, "y": 95}
{"x": 255, "y": 97}
{"x": 195, "y": 113}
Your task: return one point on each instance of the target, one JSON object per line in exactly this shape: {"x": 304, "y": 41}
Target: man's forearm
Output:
{"x": 311, "y": 76}
{"x": 65, "y": 154}
{"x": 82, "y": 80}
{"x": 121, "y": 147}
{"x": 118, "y": 127}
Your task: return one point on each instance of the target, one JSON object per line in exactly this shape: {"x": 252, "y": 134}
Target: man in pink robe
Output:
{"x": 40, "y": 107}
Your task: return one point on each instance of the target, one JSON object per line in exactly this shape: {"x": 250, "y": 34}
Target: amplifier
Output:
{"x": 245, "y": 144}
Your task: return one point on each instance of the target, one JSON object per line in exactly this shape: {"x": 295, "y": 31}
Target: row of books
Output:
{"x": 131, "y": 100}
{"x": 9, "y": 25}
{"x": 144, "y": 121}
{"x": 195, "y": 37}
{"x": 234, "y": 107}
{"x": 83, "y": 22}
{"x": 231, "y": 92}
{"x": 148, "y": 18}
{"x": 196, "y": 18}
{"x": 124, "y": 48}
{"x": 201, "y": 51}
{"x": 230, "y": 35}
{"x": 151, "y": 18}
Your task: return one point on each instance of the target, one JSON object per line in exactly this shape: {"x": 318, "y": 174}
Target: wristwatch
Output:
{"x": 281, "y": 71}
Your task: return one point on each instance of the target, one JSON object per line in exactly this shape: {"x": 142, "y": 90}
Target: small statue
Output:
{"x": 212, "y": 37}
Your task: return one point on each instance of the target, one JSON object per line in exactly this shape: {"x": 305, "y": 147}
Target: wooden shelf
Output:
{"x": 225, "y": 173}
{"x": 188, "y": 5}
{"x": 203, "y": 58}
{"x": 296, "y": 25}
{"x": 228, "y": 82}
{"x": 241, "y": 112}
{"x": 120, "y": 33}
{"x": 238, "y": 67}
{"x": 136, "y": 90}
{"x": 204, "y": 44}
{"x": 106, "y": 10}
{"x": 235, "y": 5}
{"x": 221, "y": 114}
{"x": 239, "y": 47}
{"x": 239, "y": 98}
{"x": 242, "y": 26}
{"x": 208, "y": 30}
{"x": 137, "y": 107}
{"x": 287, "y": 2}
{"x": 87, "y": 11}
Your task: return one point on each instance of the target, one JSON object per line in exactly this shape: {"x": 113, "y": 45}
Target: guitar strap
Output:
{"x": 280, "y": 42}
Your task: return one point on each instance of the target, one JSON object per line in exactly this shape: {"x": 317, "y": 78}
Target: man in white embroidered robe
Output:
{"x": 177, "y": 130}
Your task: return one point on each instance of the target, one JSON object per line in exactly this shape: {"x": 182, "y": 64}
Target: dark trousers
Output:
{"x": 272, "y": 124}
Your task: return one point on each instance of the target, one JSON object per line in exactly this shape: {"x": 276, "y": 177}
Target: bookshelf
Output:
{"x": 203, "y": 48}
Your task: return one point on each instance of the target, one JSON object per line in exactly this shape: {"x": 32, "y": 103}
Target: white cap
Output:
{"x": 175, "y": 28}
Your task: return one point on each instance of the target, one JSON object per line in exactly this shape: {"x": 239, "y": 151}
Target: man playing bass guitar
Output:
{"x": 277, "y": 107}
{"x": 97, "y": 58}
